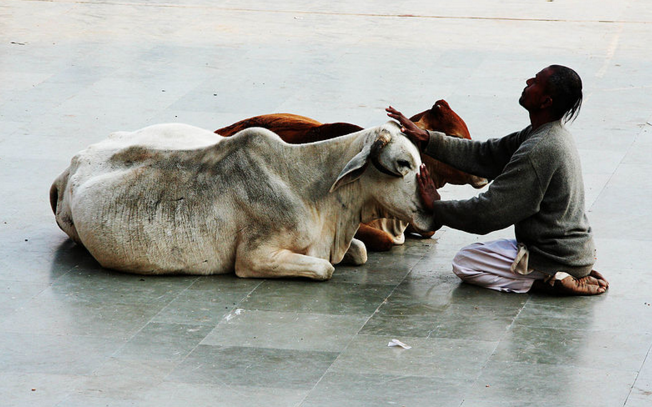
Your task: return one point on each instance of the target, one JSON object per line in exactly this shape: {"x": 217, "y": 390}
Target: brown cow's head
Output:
{"x": 442, "y": 118}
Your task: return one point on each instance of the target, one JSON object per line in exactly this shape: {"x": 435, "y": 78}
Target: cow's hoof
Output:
{"x": 325, "y": 274}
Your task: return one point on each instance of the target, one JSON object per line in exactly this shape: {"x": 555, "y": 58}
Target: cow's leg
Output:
{"x": 282, "y": 263}
{"x": 357, "y": 253}
{"x": 374, "y": 239}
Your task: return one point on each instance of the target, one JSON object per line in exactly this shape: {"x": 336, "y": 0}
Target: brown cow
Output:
{"x": 381, "y": 234}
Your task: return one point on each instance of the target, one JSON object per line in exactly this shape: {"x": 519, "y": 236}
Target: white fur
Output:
{"x": 174, "y": 198}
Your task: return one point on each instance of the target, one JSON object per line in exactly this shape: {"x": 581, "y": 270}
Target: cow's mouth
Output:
{"x": 421, "y": 222}
{"x": 478, "y": 182}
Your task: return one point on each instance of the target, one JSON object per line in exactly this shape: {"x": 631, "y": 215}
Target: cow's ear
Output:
{"x": 356, "y": 166}
{"x": 353, "y": 169}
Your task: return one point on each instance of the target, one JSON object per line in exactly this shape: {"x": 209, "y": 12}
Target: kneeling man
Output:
{"x": 537, "y": 187}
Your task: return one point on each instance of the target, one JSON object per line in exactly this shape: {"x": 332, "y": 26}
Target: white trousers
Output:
{"x": 489, "y": 265}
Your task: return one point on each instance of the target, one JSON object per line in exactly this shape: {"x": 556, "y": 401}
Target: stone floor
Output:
{"x": 73, "y": 334}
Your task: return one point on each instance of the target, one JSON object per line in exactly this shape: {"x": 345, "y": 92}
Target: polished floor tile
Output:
{"x": 421, "y": 326}
{"x": 524, "y": 384}
{"x": 54, "y": 354}
{"x": 105, "y": 286}
{"x": 612, "y": 350}
{"x": 313, "y": 297}
{"x": 436, "y": 357}
{"x": 382, "y": 268}
{"x": 609, "y": 313}
{"x": 119, "y": 381}
{"x": 369, "y": 390}
{"x": 286, "y": 330}
{"x": 55, "y": 314}
{"x": 203, "y": 307}
{"x": 163, "y": 342}
{"x": 218, "y": 394}
{"x": 36, "y": 389}
{"x": 247, "y": 366}
{"x": 475, "y": 322}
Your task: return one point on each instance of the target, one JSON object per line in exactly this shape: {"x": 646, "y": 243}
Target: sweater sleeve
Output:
{"x": 516, "y": 194}
{"x": 485, "y": 159}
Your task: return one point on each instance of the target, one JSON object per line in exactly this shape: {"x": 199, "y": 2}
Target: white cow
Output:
{"x": 173, "y": 198}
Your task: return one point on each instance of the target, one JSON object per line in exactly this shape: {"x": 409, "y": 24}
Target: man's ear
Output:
{"x": 547, "y": 102}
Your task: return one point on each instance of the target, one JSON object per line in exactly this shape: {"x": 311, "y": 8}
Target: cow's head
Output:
{"x": 442, "y": 118}
{"x": 387, "y": 167}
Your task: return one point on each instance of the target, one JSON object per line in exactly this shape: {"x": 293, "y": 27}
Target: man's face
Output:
{"x": 534, "y": 95}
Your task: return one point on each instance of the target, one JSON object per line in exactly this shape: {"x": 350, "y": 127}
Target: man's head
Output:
{"x": 557, "y": 89}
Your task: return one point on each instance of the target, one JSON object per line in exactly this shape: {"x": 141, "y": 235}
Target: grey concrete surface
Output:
{"x": 73, "y": 334}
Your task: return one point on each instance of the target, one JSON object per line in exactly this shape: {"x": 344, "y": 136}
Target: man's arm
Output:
{"x": 485, "y": 159}
{"x": 516, "y": 194}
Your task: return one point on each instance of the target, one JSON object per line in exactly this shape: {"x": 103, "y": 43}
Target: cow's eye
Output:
{"x": 404, "y": 163}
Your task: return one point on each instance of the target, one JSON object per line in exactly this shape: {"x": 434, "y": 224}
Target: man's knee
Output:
{"x": 466, "y": 257}
{"x": 489, "y": 266}
{"x": 464, "y": 265}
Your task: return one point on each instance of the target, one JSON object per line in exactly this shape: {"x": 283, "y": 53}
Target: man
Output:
{"x": 537, "y": 187}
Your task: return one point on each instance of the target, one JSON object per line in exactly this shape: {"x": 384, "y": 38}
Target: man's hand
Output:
{"x": 427, "y": 189}
{"x": 417, "y": 135}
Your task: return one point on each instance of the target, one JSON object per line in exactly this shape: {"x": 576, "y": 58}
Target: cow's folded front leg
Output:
{"x": 357, "y": 253}
{"x": 282, "y": 263}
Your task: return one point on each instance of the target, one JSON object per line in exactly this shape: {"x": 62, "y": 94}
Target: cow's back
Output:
{"x": 292, "y": 128}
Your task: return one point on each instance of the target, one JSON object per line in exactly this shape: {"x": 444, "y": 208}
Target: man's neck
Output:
{"x": 540, "y": 118}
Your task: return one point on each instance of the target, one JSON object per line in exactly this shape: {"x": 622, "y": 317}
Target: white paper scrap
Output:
{"x": 231, "y": 315}
{"x": 396, "y": 342}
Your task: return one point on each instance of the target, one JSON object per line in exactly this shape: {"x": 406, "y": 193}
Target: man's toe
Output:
{"x": 601, "y": 280}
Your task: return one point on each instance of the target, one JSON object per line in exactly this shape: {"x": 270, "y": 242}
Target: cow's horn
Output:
{"x": 380, "y": 143}
{"x": 383, "y": 138}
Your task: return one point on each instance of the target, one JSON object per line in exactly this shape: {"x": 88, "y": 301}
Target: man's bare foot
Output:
{"x": 593, "y": 284}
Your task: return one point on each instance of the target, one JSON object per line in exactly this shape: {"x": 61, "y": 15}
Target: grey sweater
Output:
{"x": 537, "y": 187}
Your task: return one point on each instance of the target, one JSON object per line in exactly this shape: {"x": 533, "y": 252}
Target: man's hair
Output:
{"x": 565, "y": 87}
